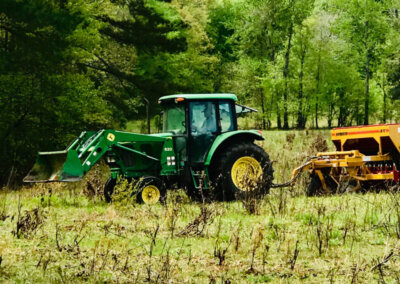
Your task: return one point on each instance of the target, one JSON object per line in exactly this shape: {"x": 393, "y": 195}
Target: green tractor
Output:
{"x": 199, "y": 149}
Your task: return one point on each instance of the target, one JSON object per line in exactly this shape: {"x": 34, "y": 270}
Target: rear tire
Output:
{"x": 109, "y": 189}
{"x": 229, "y": 177}
{"x": 151, "y": 190}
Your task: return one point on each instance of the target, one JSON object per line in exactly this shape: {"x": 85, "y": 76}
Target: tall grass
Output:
{"x": 74, "y": 236}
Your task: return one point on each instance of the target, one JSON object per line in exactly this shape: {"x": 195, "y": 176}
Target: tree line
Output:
{"x": 71, "y": 65}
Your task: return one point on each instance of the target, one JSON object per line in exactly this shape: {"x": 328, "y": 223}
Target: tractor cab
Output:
{"x": 206, "y": 113}
{"x": 196, "y": 120}
{"x": 209, "y": 148}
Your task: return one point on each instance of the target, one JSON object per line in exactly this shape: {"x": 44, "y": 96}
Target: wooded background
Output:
{"x": 73, "y": 65}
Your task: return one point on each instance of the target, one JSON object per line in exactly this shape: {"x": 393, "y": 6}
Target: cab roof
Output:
{"x": 200, "y": 97}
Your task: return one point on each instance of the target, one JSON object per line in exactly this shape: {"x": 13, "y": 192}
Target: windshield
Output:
{"x": 174, "y": 119}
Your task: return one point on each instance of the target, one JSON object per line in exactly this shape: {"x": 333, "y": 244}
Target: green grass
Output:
{"x": 339, "y": 238}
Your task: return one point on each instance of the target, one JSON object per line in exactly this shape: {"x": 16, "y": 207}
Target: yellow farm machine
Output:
{"x": 365, "y": 156}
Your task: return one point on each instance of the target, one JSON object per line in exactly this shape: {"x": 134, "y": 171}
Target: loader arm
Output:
{"x": 83, "y": 153}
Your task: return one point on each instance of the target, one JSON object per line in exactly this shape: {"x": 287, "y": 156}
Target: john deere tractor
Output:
{"x": 199, "y": 149}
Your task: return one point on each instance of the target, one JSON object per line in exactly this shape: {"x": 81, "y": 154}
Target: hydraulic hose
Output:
{"x": 291, "y": 181}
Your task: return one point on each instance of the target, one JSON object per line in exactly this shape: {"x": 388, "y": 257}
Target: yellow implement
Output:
{"x": 363, "y": 154}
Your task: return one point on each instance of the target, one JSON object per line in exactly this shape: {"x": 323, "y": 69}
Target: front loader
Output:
{"x": 200, "y": 149}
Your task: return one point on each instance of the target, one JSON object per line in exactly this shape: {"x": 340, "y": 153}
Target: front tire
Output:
{"x": 151, "y": 190}
{"x": 242, "y": 169}
{"x": 109, "y": 189}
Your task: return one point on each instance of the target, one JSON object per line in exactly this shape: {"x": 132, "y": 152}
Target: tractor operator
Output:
{"x": 209, "y": 125}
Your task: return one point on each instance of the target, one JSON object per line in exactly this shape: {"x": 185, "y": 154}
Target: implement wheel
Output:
{"x": 151, "y": 190}
{"x": 243, "y": 169}
{"x": 315, "y": 185}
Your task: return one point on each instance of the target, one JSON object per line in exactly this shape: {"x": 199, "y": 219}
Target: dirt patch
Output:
{"x": 319, "y": 144}
{"x": 290, "y": 138}
{"x": 29, "y": 223}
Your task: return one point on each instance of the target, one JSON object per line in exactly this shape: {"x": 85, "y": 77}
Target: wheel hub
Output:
{"x": 150, "y": 194}
{"x": 246, "y": 172}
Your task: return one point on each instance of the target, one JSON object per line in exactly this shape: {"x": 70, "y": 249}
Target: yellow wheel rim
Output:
{"x": 246, "y": 173}
{"x": 150, "y": 194}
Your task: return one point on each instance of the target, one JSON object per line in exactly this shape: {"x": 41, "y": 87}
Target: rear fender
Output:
{"x": 231, "y": 137}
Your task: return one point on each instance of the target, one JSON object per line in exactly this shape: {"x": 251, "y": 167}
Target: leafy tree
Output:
{"x": 42, "y": 101}
{"x": 137, "y": 42}
{"x": 365, "y": 27}
{"x": 60, "y": 64}
{"x": 67, "y": 66}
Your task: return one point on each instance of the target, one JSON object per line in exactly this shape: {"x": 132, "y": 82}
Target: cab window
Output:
{"x": 225, "y": 114}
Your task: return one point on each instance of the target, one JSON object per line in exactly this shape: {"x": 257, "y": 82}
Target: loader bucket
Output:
{"x": 56, "y": 166}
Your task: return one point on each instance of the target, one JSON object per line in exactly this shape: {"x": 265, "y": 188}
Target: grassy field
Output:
{"x": 67, "y": 233}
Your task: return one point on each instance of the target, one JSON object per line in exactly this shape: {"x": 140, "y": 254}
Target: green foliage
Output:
{"x": 67, "y": 66}
{"x": 124, "y": 193}
{"x": 315, "y": 60}
{"x": 70, "y": 66}
{"x": 42, "y": 96}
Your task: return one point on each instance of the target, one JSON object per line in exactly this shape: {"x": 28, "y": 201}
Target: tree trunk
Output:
{"x": 276, "y": 101}
{"x": 330, "y": 114}
{"x": 147, "y": 114}
{"x": 262, "y": 108}
{"x": 6, "y": 41}
{"x": 300, "y": 115}
{"x": 384, "y": 101}
{"x": 285, "y": 76}
{"x": 366, "y": 102}
{"x": 357, "y": 112}
{"x": 278, "y": 111}
{"x": 317, "y": 90}
{"x": 342, "y": 111}
{"x": 278, "y": 119}
{"x": 366, "y": 99}
{"x": 4, "y": 36}
{"x": 382, "y": 86}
